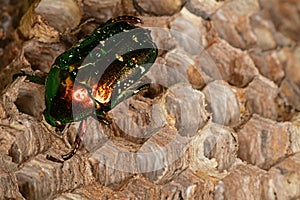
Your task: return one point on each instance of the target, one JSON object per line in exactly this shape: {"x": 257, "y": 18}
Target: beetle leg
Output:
{"x": 60, "y": 130}
{"x": 53, "y": 159}
{"x": 79, "y": 137}
{"x": 31, "y": 78}
{"x": 129, "y": 19}
{"x": 102, "y": 117}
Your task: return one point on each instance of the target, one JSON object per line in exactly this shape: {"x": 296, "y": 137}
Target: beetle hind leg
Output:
{"x": 73, "y": 152}
{"x": 79, "y": 137}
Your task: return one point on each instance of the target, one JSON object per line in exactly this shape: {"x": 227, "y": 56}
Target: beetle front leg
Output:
{"x": 79, "y": 137}
{"x": 31, "y": 78}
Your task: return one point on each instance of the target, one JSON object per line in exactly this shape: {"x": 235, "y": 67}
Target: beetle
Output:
{"x": 98, "y": 73}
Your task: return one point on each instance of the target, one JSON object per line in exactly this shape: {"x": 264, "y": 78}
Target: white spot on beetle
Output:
{"x": 135, "y": 39}
{"x": 98, "y": 55}
{"x": 102, "y": 42}
{"x": 142, "y": 69}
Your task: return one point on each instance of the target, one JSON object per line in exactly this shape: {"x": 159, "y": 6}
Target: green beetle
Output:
{"x": 98, "y": 73}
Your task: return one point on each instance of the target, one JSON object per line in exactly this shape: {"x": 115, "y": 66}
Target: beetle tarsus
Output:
{"x": 79, "y": 136}
{"x": 49, "y": 157}
{"x": 73, "y": 152}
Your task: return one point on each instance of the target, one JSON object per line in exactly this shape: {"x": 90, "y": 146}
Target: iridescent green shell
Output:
{"x": 99, "y": 72}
